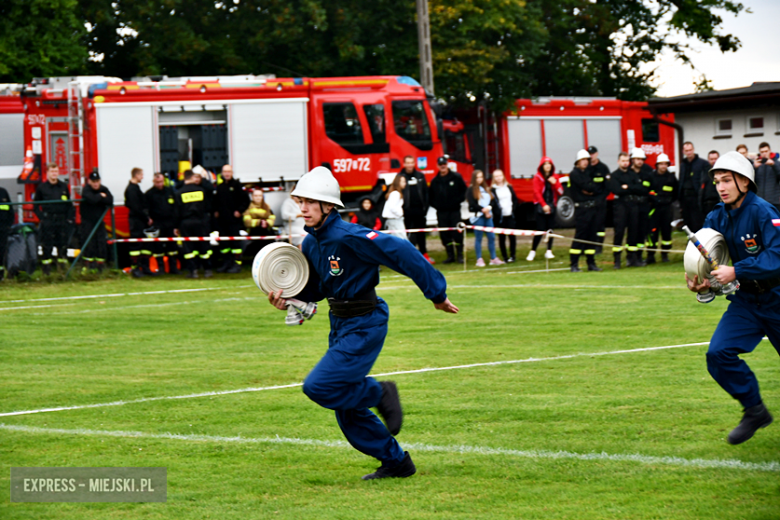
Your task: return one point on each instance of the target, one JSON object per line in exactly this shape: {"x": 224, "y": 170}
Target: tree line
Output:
{"x": 498, "y": 50}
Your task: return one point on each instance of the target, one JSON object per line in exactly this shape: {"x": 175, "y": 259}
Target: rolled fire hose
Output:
{"x": 702, "y": 258}
{"x": 282, "y": 266}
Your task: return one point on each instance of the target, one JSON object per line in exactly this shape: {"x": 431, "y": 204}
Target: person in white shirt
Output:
{"x": 393, "y": 212}
{"x": 507, "y": 200}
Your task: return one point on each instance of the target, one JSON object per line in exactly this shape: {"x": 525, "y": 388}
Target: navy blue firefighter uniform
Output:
{"x": 161, "y": 203}
{"x": 586, "y": 192}
{"x": 6, "y": 221}
{"x": 752, "y": 233}
{"x": 344, "y": 266}
{"x": 194, "y": 214}
{"x": 56, "y": 221}
{"x": 665, "y": 188}
{"x": 93, "y": 204}
{"x": 138, "y": 219}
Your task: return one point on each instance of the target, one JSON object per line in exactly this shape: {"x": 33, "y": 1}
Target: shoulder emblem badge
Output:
{"x": 335, "y": 268}
{"x": 751, "y": 245}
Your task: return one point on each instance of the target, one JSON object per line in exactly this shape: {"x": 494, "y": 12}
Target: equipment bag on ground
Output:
{"x": 22, "y": 250}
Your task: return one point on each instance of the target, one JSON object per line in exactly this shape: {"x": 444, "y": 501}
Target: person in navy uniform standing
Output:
{"x": 344, "y": 262}
{"x": 751, "y": 227}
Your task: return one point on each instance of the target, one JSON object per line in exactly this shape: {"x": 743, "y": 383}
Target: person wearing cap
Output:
{"x": 447, "y": 192}
{"x": 585, "y": 192}
{"x": 55, "y": 219}
{"x": 627, "y": 187}
{"x": 161, "y": 204}
{"x": 644, "y": 202}
{"x": 343, "y": 266}
{"x": 415, "y": 198}
{"x": 599, "y": 170}
{"x": 664, "y": 185}
{"x": 95, "y": 199}
{"x": 693, "y": 171}
{"x": 751, "y": 228}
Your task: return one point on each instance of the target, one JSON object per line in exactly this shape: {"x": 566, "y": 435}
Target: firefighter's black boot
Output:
{"x": 754, "y": 418}
{"x": 650, "y": 257}
{"x": 450, "y": 255}
{"x": 592, "y": 263}
{"x": 459, "y": 249}
{"x": 665, "y": 257}
{"x": 405, "y": 469}
{"x": 173, "y": 267}
{"x": 389, "y": 407}
{"x": 145, "y": 265}
{"x": 236, "y": 267}
{"x": 617, "y": 260}
{"x": 575, "y": 263}
{"x": 226, "y": 264}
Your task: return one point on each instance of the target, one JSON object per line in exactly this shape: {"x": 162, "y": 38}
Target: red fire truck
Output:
{"x": 272, "y": 130}
{"x": 558, "y": 128}
{"x": 11, "y": 137}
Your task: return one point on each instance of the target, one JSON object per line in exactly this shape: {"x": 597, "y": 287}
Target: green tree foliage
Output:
{"x": 40, "y": 38}
{"x": 482, "y": 49}
{"x": 596, "y": 47}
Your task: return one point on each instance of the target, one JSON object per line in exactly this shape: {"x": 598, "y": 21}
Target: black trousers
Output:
{"x": 585, "y": 221}
{"x": 661, "y": 224}
{"x": 231, "y": 227}
{"x": 54, "y": 232}
{"x": 643, "y": 226}
{"x": 691, "y": 212}
{"x": 544, "y": 222}
{"x": 601, "y": 219}
{"x": 416, "y": 221}
{"x": 450, "y": 218}
{"x": 195, "y": 252}
{"x": 507, "y": 222}
{"x": 6, "y": 221}
{"x": 97, "y": 248}
{"x": 626, "y": 215}
{"x": 138, "y": 248}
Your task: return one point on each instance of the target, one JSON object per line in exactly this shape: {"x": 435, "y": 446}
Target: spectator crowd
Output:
{"x": 200, "y": 205}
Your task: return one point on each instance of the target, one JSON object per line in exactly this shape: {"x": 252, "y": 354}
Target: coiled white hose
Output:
{"x": 280, "y": 266}
{"x": 696, "y": 264}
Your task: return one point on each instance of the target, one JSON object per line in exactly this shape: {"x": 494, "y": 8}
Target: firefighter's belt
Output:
{"x": 587, "y": 204}
{"x": 758, "y": 286}
{"x": 361, "y": 306}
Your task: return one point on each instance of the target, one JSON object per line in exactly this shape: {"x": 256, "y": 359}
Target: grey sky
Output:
{"x": 757, "y": 60}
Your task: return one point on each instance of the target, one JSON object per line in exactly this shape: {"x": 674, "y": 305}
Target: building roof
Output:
{"x": 756, "y": 95}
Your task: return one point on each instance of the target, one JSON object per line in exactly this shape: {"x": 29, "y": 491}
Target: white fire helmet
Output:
{"x": 638, "y": 153}
{"x": 320, "y": 185}
{"x": 662, "y": 158}
{"x": 737, "y": 163}
{"x": 582, "y": 154}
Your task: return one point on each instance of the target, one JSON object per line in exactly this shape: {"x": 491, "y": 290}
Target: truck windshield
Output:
{"x": 456, "y": 146}
{"x": 411, "y": 123}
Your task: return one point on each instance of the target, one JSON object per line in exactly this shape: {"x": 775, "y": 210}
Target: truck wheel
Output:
{"x": 564, "y": 214}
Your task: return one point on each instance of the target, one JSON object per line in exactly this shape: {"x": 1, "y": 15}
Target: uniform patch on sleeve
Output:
{"x": 373, "y": 235}
{"x": 776, "y": 222}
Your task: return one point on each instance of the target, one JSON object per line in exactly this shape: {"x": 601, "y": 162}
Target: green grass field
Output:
{"x": 571, "y": 432}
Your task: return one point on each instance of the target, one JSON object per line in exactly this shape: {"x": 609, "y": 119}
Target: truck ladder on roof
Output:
{"x": 75, "y": 137}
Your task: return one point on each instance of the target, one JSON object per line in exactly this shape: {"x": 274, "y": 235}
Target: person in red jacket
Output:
{"x": 547, "y": 189}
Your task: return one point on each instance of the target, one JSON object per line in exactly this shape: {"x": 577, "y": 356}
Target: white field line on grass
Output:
{"x": 145, "y": 305}
{"x": 732, "y": 464}
{"x": 115, "y": 295}
{"x": 401, "y": 372}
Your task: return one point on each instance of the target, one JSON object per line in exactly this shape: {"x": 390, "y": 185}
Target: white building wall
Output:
{"x": 701, "y": 128}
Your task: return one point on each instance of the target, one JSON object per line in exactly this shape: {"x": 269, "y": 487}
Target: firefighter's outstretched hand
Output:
{"x": 694, "y": 284}
{"x": 275, "y": 299}
{"x": 724, "y": 274}
{"x": 446, "y": 306}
